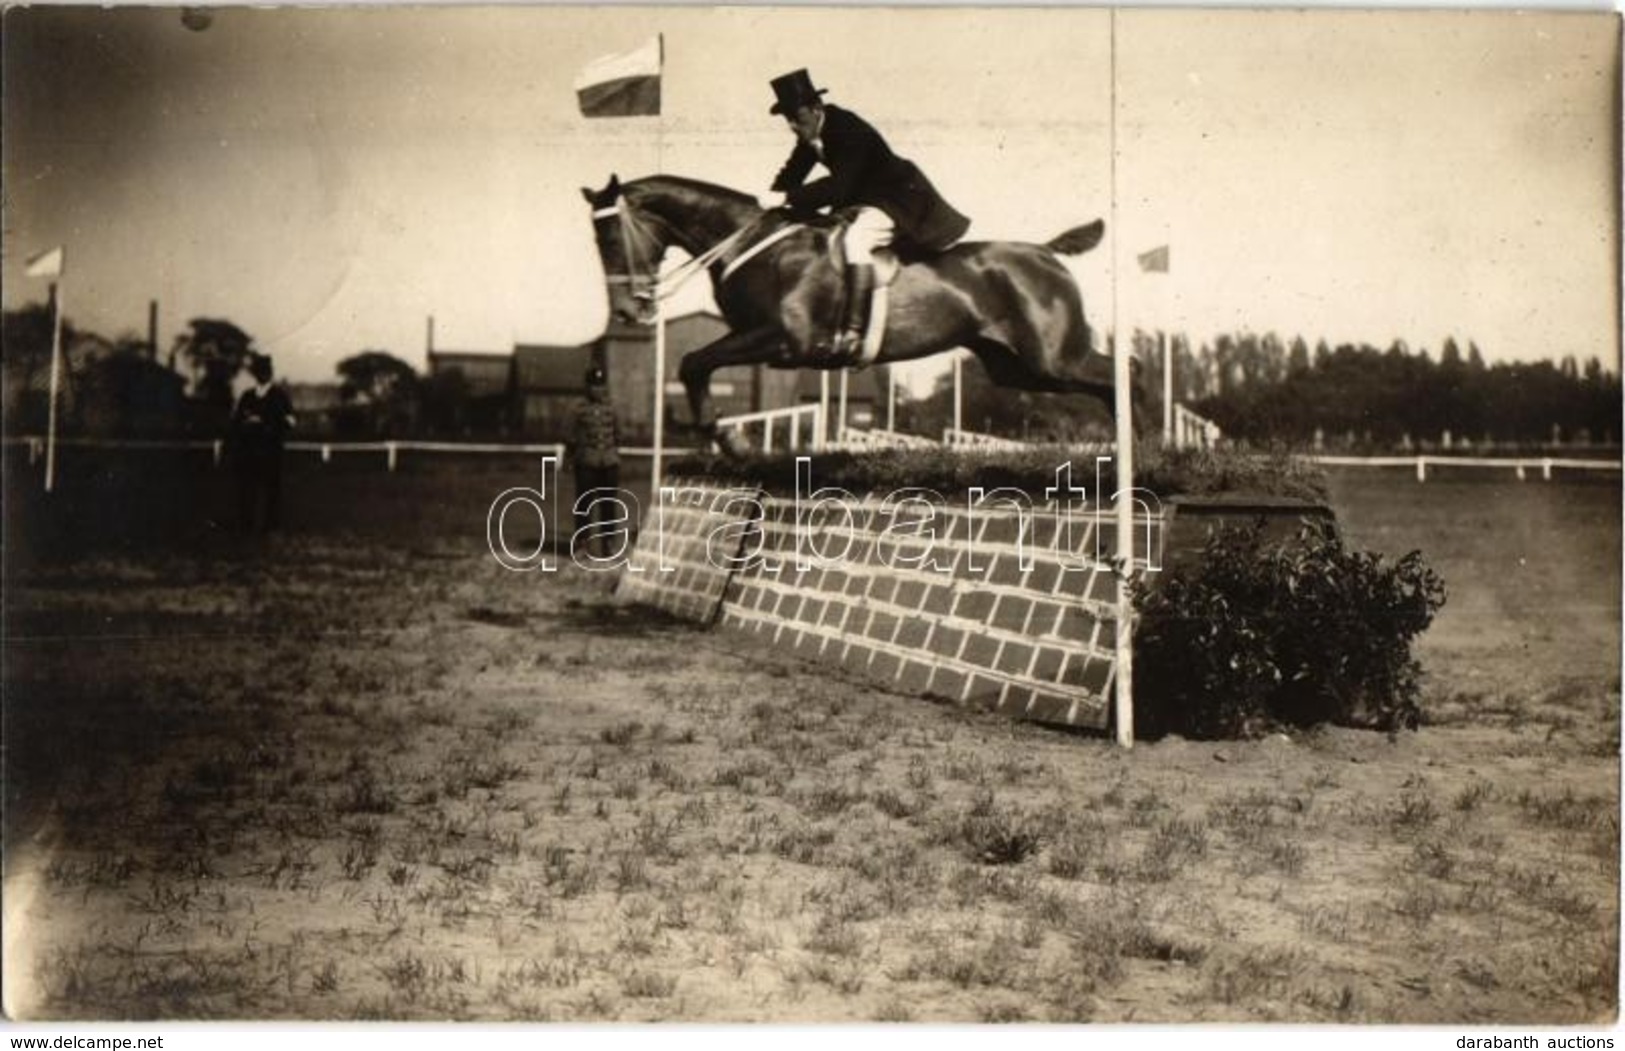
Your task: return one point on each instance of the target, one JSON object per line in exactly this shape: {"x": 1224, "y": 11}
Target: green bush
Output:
{"x": 1255, "y": 636}
{"x": 1165, "y": 472}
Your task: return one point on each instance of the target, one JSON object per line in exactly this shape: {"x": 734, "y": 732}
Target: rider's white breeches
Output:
{"x": 870, "y": 229}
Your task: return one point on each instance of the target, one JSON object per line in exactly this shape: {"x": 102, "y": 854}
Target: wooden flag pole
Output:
{"x": 56, "y": 384}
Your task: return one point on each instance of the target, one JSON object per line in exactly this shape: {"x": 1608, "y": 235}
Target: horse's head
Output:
{"x": 630, "y": 249}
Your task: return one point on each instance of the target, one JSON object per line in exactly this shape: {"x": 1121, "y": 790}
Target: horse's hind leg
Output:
{"x": 736, "y": 348}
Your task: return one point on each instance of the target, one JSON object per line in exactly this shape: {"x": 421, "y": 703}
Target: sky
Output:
{"x": 330, "y": 178}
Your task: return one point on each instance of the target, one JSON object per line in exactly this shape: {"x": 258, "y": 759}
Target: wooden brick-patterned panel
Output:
{"x": 686, "y": 549}
{"x": 1024, "y": 628}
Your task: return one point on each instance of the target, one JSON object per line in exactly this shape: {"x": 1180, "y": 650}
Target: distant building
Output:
{"x": 316, "y": 407}
{"x": 865, "y": 396}
{"x": 106, "y": 390}
{"x": 534, "y": 391}
{"x": 548, "y": 385}
{"x": 470, "y": 393}
{"x": 629, "y": 353}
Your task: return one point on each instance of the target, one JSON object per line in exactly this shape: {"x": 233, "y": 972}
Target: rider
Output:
{"x": 892, "y": 195}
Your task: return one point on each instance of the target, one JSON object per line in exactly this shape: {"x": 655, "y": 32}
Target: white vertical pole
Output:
{"x": 891, "y": 398}
{"x": 823, "y": 408}
{"x": 1167, "y": 388}
{"x": 959, "y": 400}
{"x": 56, "y": 383}
{"x": 1124, "y": 700}
{"x": 840, "y": 424}
{"x": 660, "y": 401}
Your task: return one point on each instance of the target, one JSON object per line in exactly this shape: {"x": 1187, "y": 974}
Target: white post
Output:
{"x": 655, "y": 467}
{"x": 840, "y": 424}
{"x": 1123, "y": 409}
{"x": 891, "y": 397}
{"x": 823, "y": 409}
{"x": 327, "y": 453}
{"x": 219, "y": 451}
{"x": 393, "y": 449}
{"x": 1421, "y": 468}
{"x": 1546, "y": 469}
{"x": 56, "y": 383}
{"x": 959, "y": 401}
{"x": 1167, "y": 388}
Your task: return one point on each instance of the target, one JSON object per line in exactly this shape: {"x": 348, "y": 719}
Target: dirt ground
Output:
{"x": 351, "y": 776}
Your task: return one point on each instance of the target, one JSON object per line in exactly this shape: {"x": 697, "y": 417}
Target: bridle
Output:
{"x": 645, "y": 286}
{"x": 646, "y": 283}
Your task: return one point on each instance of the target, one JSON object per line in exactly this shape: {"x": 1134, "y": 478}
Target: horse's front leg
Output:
{"x": 736, "y": 348}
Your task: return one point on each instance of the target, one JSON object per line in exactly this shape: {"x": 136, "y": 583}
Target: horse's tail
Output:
{"x": 1079, "y": 239}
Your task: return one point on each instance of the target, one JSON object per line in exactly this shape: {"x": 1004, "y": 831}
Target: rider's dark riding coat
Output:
{"x": 863, "y": 170}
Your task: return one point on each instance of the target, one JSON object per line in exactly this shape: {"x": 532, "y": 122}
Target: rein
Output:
{"x": 655, "y": 287}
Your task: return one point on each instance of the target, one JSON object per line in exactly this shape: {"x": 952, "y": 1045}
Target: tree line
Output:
{"x": 1261, "y": 389}
{"x": 1258, "y": 388}
{"x": 1264, "y": 389}
{"x": 124, "y": 387}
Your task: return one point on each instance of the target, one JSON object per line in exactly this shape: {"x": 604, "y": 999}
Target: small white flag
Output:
{"x": 624, "y": 85}
{"x": 46, "y": 264}
{"x": 1155, "y": 261}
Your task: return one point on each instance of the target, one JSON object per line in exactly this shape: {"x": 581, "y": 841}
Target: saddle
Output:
{"x": 903, "y": 250}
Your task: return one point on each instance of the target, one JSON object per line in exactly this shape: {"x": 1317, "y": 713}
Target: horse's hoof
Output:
{"x": 730, "y": 444}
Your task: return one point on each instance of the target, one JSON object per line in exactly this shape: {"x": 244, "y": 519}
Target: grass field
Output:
{"x": 360, "y": 771}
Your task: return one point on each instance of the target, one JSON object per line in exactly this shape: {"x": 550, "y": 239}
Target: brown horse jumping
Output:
{"x": 779, "y": 289}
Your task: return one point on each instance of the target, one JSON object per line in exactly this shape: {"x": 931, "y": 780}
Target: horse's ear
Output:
{"x": 589, "y": 195}
{"x": 614, "y": 185}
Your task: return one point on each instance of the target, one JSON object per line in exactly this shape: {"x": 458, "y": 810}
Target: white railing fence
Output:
{"x": 1522, "y": 466}
{"x": 1192, "y": 431}
{"x": 958, "y": 439}
{"x": 794, "y": 420}
{"x": 853, "y": 440}
{"x": 217, "y": 447}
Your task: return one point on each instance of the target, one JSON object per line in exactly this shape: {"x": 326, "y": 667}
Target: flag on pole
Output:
{"x": 623, "y": 85}
{"x": 1155, "y": 261}
{"x": 46, "y": 264}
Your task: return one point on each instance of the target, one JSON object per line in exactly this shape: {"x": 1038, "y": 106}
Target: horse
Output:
{"x": 779, "y": 287}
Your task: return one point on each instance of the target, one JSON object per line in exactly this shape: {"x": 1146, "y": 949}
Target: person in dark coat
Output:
{"x": 595, "y": 457}
{"x": 259, "y": 425}
{"x": 892, "y": 195}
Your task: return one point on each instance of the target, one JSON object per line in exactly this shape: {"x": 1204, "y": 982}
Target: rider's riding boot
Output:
{"x": 860, "y": 295}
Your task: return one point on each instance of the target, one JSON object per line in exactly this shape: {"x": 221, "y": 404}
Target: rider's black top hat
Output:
{"x": 794, "y": 90}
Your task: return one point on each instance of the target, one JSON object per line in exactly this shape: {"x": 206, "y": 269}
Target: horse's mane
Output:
{"x": 681, "y": 182}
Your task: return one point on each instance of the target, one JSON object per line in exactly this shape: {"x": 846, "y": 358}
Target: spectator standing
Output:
{"x": 259, "y": 426}
{"x": 596, "y": 459}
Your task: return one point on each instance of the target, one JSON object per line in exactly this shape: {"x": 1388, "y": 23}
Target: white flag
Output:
{"x": 46, "y": 264}
{"x": 623, "y": 85}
